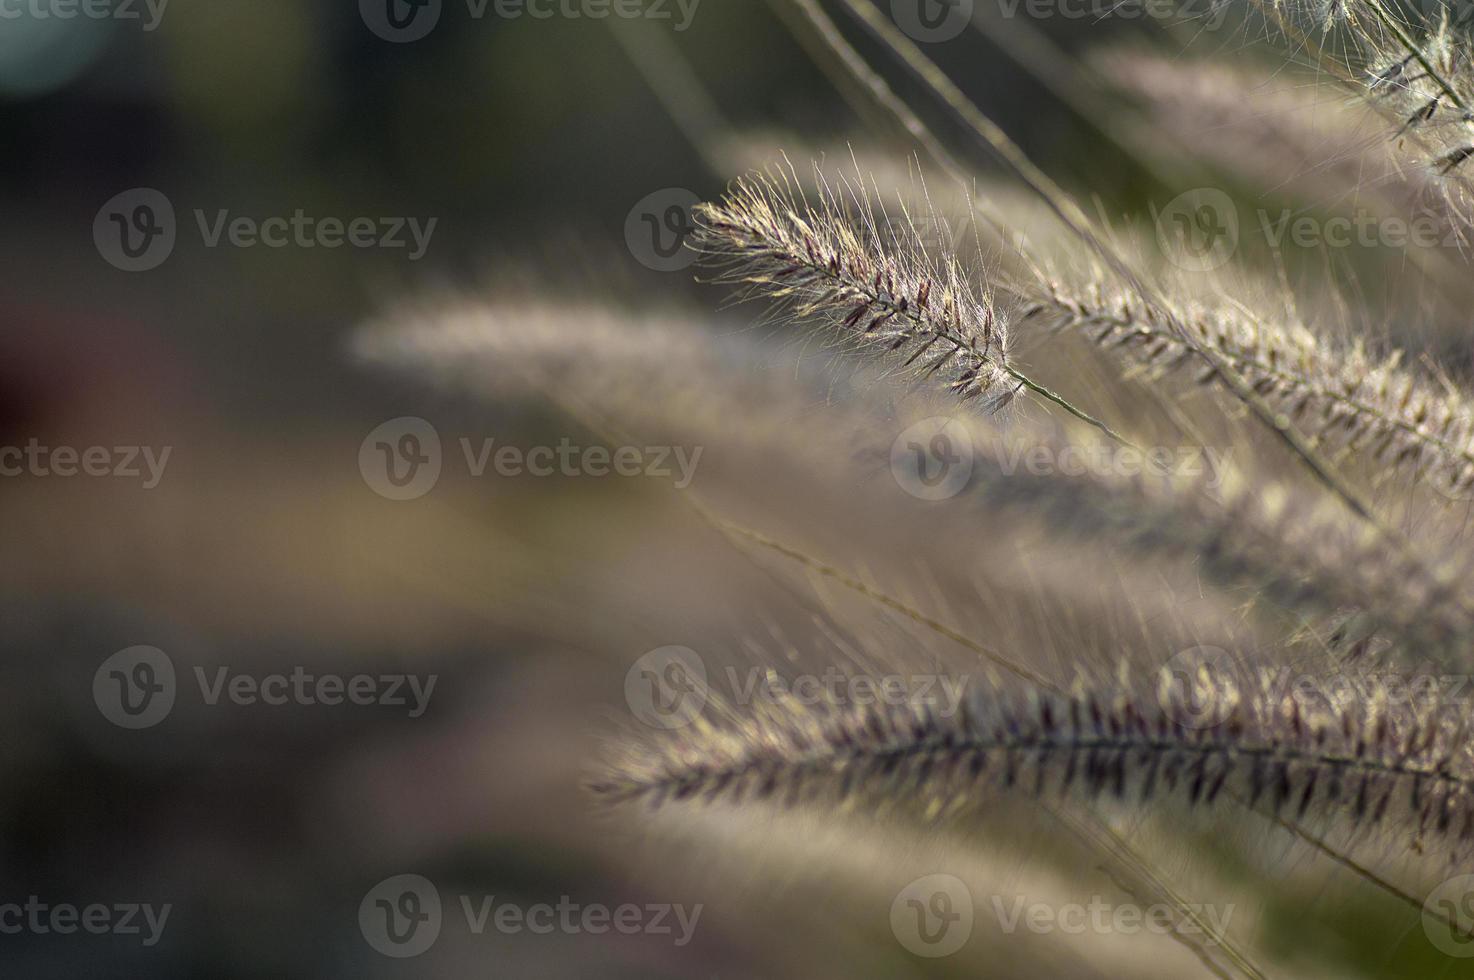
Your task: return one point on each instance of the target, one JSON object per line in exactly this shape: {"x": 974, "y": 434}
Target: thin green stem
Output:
{"x": 1064, "y": 403}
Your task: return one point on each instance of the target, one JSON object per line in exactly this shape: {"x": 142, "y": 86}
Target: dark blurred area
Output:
{"x": 258, "y": 548}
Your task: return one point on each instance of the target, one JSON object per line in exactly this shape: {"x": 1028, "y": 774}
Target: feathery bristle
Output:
{"x": 874, "y": 281}
{"x": 1347, "y": 400}
{"x": 1206, "y": 741}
